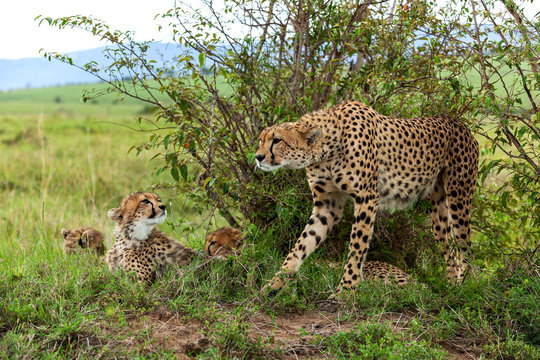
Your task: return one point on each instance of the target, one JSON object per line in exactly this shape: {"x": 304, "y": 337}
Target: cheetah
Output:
{"x": 388, "y": 274}
{"x": 350, "y": 150}
{"x": 227, "y": 240}
{"x": 139, "y": 245}
{"x": 223, "y": 242}
{"x": 83, "y": 238}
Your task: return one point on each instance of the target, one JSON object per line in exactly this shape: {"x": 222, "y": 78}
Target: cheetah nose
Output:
{"x": 259, "y": 157}
{"x": 162, "y": 207}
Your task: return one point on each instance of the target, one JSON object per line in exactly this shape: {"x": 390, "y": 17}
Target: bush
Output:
{"x": 294, "y": 57}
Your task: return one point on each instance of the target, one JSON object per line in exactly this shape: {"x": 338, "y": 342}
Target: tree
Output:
{"x": 286, "y": 58}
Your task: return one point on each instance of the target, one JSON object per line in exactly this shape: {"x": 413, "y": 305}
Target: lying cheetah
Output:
{"x": 140, "y": 246}
{"x": 227, "y": 240}
{"x": 388, "y": 274}
{"x": 83, "y": 238}
{"x": 223, "y": 242}
{"x": 352, "y": 151}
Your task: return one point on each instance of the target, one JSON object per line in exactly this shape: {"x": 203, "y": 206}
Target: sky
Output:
{"x": 22, "y": 37}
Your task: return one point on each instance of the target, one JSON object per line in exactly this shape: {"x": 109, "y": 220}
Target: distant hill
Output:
{"x": 40, "y": 72}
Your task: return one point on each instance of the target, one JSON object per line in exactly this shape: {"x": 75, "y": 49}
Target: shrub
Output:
{"x": 289, "y": 58}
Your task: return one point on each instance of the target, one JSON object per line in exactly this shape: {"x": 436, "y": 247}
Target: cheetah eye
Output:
{"x": 276, "y": 141}
{"x": 146, "y": 201}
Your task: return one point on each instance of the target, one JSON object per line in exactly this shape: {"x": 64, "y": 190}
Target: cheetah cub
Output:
{"x": 83, "y": 238}
{"x": 226, "y": 240}
{"x": 139, "y": 245}
{"x": 388, "y": 274}
{"x": 223, "y": 242}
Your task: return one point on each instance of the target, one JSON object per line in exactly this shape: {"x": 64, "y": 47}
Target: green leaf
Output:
{"x": 174, "y": 173}
{"x": 504, "y": 198}
{"x": 183, "y": 171}
{"x": 201, "y": 59}
{"x": 166, "y": 141}
{"x": 521, "y": 131}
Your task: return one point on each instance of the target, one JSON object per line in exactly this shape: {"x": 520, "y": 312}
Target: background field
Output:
{"x": 63, "y": 163}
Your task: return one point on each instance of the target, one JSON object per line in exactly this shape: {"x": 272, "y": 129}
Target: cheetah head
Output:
{"x": 222, "y": 241}
{"x": 138, "y": 215}
{"x": 287, "y": 145}
{"x": 84, "y": 238}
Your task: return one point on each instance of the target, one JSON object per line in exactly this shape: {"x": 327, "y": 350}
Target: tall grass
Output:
{"x": 60, "y": 169}
{"x": 64, "y": 171}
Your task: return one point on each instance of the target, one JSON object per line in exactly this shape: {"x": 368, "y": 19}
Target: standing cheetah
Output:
{"x": 382, "y": 163}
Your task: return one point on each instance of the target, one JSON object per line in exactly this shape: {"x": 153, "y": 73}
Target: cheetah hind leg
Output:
{"x": 450, "y": 222}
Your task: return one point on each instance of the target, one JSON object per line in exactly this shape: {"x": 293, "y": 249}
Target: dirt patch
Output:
{"x": 296, "y": 335}
{"x": 461, "y": 349}
{"x": 167, "y": 330}
{"x": 292, "y": 333}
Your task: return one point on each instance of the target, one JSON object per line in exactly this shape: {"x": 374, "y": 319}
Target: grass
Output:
{"x": 66, "y": 169}
{"x": 65, "y": 100}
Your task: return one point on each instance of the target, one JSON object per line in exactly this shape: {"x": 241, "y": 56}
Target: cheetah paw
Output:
{"x": 276, "y": 283}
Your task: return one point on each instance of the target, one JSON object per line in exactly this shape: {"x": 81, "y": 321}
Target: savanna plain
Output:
{"x": 64, "y": 163}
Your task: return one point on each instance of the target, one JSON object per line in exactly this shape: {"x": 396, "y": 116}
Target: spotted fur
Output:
{"x": 223, "y": 242}
{"x": 352, "y": 151}
{"x": 139, "y": 245}
{"x": 388, "y": 274}
{"x": 83, "y": 238}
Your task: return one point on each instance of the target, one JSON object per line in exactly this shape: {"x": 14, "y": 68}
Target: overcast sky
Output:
{"x": 22, "y": 37}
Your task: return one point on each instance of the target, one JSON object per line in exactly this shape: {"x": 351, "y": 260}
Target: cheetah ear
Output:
{"x": 237, "y": 242}
{"x": 312, "y": 135}
{"x": 65, "y": 232}
{"x": 115, "y": 214}
{"x": 237, "y": 232}
{"x": 209, "y": 242}
{"x": 238, "y": 238}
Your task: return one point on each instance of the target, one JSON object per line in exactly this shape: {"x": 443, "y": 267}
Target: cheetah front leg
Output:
{"x": 327, "y": 211}
{"x": 365, "y": 210}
